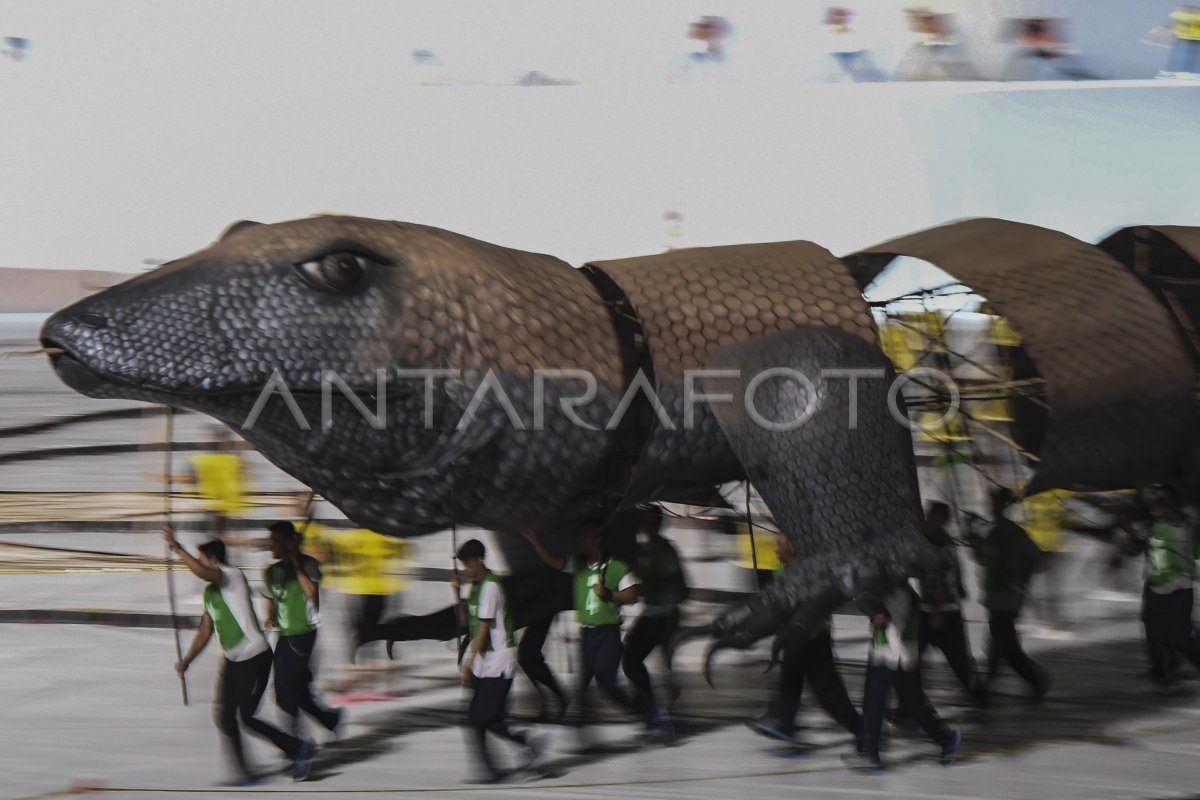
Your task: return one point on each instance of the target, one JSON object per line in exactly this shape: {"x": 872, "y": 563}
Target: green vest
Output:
{"x": 590, "y": 609}
{"x": 473, "y": 613}
{"x": 658, "y": 563}
{"x": 911, "y": 632}
{"x": 294, "y": 614}
{"x": 231, "y": 633}
{"x": 1171, "y": 554}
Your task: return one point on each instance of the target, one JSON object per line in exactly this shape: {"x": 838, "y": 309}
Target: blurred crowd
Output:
{"x": 932, "y": 41}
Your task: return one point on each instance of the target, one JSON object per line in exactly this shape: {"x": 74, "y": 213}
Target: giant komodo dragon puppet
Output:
{"x": 675, "y": 373}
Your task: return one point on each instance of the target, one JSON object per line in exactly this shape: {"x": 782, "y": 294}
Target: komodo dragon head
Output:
{"x": 260, "y": 327}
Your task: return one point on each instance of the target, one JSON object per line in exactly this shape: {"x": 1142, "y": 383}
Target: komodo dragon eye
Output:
{"x": 336, "y": 272}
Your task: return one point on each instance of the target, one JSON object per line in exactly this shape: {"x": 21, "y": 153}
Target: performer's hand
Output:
{"x": 528, "y": 533}
{"x": 455, "y": 582}
{"x": 181, "y": 667}
{"x": 464, "y": 676}
{"x": 168, "y": 535}
{"x": 269, "y": 622}
{"x": 602, "y": 591}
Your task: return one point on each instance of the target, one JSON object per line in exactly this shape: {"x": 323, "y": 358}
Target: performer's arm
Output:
{"x": 307, "y": 584}
{"x": 199, "y": 642}
{"x": 460, "y": 605}
{"x": 552, "y": 561}
{"x": 626, "y": 593}
{"x": 209, "y": 574}
{"x": 626, "y": 597}
{"x": 485, "y": 630}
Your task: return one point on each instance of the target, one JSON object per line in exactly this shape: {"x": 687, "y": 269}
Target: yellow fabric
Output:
{"x": 1044, "y": 514}
{"x": 358, "y": 561}
{"x": 910, "y": 336}
{"x": 930, "y": 330}
{"x": 764, "y": 547}
{"x": 219, "y": 481}
{"x": 1001, "y": 333}
{"x": 932, "y": 430}
{"x": 897, "y": 344}
{"x": 1187, "y": 24}
{"x": 992, "y": 411}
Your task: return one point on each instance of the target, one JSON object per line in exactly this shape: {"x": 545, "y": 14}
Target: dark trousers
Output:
{"x": 951, "y": 639}
{"x": 1168, "y": 622}
{"x": 441, "y": 626}
{"x": 367, "y": 611}
{"x": 646, "y": 634}
{"x": 812, "y": 660}
{"x": 488, "y": 714}
{"x": 880, "y": 680}
{"x": 1007, "y": 647}
{"x": 600, "y": 656}
{"x": 531, "y": 660}
{"x": 242, "y": 685}
{"x": 293, "y": 680}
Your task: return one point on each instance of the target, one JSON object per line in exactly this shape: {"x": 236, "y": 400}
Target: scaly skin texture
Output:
{"x": 488, "y": 442}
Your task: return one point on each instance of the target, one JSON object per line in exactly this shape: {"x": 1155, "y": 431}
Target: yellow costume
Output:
{"x": 1186, "y": 24}
{"x": 764, "y": 548}
{"x": 358, "y": 561}
{"x": 1044, "y": 516}
{"x": 220, "y": 481}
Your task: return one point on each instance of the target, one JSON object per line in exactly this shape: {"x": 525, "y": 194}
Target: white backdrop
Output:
{"x": 139, "y": 130}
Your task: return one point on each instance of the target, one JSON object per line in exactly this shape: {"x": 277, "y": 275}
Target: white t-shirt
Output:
{"x": 895, "y": 646}
{"x": 501, "y": 660}
{"x": 235, "y": 624}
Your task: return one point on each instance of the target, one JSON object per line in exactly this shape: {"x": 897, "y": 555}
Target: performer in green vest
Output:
{"x": 293, "y": 585}
{"x": 229, "y": 612}
{"x": 490, "y": 660}
{"x": 602, "y": 586}
{"x": 892, "y": 662}
{"x": 1171, "y": 553}
{"x": 806, "y": 655}
{"x": 663, "y": 587}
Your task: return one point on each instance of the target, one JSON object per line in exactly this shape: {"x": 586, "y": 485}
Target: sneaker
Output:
{"x": 863, "y": 762}
{"x": 1043, "y": 686}
{"x": 659, "y": 727}
{"x": 950, "y": 749}
{"x": 302, "y": 763}
{"x": 338, "y": 729}
{"x": 536, "y": 745}
{"x": 767, "y": 725}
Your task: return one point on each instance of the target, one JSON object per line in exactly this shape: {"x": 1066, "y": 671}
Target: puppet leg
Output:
{"x": 809, "y": 414}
